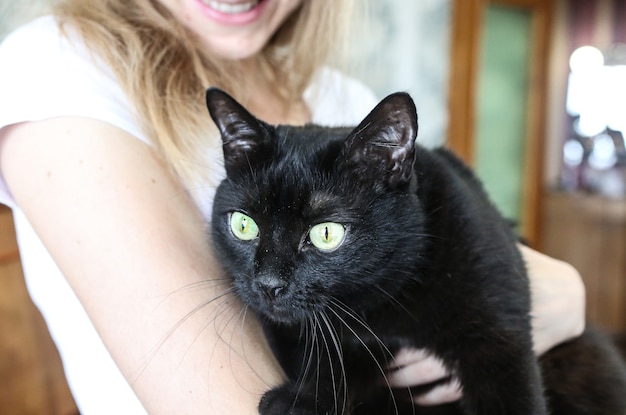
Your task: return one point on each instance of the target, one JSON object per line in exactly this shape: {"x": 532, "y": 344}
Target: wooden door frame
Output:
{"x": 467, "y": 31}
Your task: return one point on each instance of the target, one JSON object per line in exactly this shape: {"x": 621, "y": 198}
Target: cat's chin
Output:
{"x": 286, "y": 310}
{"x": 286, "y": 317}
{"x": 278, "y": 321}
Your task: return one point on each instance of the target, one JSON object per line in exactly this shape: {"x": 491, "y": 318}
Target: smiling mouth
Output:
{"x": 231, "y": 8}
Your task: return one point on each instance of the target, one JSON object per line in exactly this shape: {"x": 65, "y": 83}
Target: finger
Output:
{"x": 426, "y": 370}
{"x": 445, "y": 393}
{"x": 407, "y": 357}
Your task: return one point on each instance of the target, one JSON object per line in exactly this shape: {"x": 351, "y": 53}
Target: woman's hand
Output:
{"x": 558, "y": 300}
{"x": 413, "y": 367}
{"x": 558, "y": 314}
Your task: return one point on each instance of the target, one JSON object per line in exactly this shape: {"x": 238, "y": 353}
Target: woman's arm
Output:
{"x": 135, "y": 250}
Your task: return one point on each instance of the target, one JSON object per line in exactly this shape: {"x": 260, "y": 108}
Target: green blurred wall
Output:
{"x": 503, "y": 86}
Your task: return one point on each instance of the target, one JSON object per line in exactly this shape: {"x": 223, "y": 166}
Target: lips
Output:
{"x": 231, "y": 8}
{"x": 234, "y": 13}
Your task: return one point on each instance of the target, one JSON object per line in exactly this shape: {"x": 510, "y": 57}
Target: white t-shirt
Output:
{"x": 45, "y": 75}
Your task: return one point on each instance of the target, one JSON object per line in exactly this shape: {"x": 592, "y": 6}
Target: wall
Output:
{"x": 14, "y": 12}
{"x": 501, "y": 125}
{"x": 407, "y": 49}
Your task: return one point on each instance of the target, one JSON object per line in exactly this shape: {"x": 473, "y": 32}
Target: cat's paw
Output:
{"x": 290, "y": 399}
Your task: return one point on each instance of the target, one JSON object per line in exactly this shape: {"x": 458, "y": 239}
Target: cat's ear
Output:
{"x": 244, "y": 137}
{"x": 383, "y": 145}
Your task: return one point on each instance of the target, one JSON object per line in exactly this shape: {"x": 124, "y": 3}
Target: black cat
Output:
{"x": 351, "y": 243}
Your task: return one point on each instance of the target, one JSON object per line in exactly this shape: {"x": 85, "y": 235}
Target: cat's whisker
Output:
{"x": 233, "y": 318}
{"x": 197, "y": 286}
{"x": 335, "y": 342}
{"x": 319, "y": 360}
{"x": 338, "y": 345}
{"x": 153, "y": 351}
{"x": 352, "y": 314}
{"x": 243, "y": 313}
{"x": 311, "y": 345}
{"x": 310, "y": 340}
{"x": 315, "y": 325}
{"x": 396, "y": 302}
{"x": 201, "y": 284}
{"x": 342, "y": 381}
{"x": 221, "y": 308}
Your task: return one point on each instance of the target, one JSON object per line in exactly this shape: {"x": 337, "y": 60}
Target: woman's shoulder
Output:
{"x": 36, "y": 41}
{"x": 44, "y": 25}
{"x": 48, "y": 72}
{"x": 337, "y": 99}
{"x": 35, "y": 54}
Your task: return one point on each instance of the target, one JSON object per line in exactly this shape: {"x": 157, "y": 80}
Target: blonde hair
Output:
{"x": 163, "y": 69}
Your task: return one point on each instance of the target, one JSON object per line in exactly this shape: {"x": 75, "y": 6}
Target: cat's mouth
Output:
{"x": 286, "y": 310}
{"x": 282, "y": 316}
{"x": 283, "y": 312}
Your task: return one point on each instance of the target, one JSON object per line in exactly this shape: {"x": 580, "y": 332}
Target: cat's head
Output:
{"x": 314, "y": 219}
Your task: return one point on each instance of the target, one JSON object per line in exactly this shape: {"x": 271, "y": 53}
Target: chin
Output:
{"x": 236, "y": 49}
{"x": 285, "y": 314}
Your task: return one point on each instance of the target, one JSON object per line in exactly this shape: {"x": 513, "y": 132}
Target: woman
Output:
{"x": 109, "y": 163}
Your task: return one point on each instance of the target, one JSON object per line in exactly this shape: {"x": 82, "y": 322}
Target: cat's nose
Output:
{"x": 271, "y": 287}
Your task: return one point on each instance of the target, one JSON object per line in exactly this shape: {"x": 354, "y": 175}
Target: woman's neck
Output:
{"x": 265, "y": 102}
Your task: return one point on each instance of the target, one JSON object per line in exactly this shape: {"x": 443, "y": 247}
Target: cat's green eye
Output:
{"x": 327, "y": 236}
{"x": 243, "y": 226}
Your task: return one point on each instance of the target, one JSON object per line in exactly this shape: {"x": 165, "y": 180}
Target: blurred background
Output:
{"x": 531, "y": 93}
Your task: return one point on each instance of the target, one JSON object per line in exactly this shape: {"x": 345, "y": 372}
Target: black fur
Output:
{"x": 426, "y": 262}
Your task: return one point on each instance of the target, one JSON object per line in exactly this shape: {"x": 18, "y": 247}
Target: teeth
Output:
{"x": 230, "y": 8}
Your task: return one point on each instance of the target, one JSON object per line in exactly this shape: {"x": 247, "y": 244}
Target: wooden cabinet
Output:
{"x": 31, "y": 375}
{"x": 589, "y": 232}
